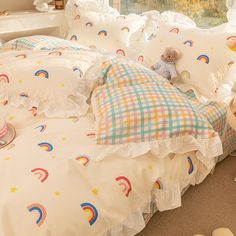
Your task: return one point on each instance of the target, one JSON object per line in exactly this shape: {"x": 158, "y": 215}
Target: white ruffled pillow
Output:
{"x": 206, "y": 58}
{"x": 75, "y": 7}
{"x": 106, "y": 32}
{"x": 48, "y": 82}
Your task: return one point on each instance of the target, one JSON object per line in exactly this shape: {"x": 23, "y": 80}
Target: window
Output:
{"x": 206, "y": 13}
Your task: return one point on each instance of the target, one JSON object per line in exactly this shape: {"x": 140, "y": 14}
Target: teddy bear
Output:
{"x": 166, "y": 67}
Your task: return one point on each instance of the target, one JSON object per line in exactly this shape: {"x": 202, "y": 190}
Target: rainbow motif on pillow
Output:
{"x": 41, "y": 173}
{"x": 91, "y": 211}
{"x": 40, "y": 210}
{"x": 125, "y": 29}
{"x": 174, "y": 30}
{"x": 102, "y": 33}
{"x": 73, "y": 38}
{"x": 89, "y": 24}
{"x": 191, "y": 166}
{"x": 42, "y": 74}
{"x": 46, "y": 146}
{"x": 204, "y": 58}
{"x": 120, "y": 52}
{"x": 231, "y": 43}
{"x": 188, "y": 42}
{"x": 83, "y": 159}
{"x": 77, "y": 17}
{"x": 4, "y": 78}
{"x": 125, "y": 184}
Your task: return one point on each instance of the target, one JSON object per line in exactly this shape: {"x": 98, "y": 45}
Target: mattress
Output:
{"x": 50, "y": 179}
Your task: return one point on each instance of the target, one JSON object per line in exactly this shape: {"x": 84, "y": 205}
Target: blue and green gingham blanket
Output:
{"x": 137, "y": 105}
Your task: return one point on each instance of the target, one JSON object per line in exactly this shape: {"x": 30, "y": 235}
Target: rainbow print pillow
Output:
{"x": 45, "y": 82}
{"x": 206, "y": 58}
{"x": 106, "y": 32}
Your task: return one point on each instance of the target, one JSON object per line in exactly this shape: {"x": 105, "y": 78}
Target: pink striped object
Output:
{"x": 3, "y": 128}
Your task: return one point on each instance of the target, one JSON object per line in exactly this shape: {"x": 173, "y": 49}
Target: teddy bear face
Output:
{"x": 170, "y": 55}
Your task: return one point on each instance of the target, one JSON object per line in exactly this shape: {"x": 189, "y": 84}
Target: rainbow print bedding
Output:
{"x": 50, "y": 179}
{"x": 59, "y": 180}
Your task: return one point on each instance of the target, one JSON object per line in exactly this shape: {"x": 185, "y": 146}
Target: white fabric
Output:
{"x": 46, "y": 82}
{"x": 71, "y": 182}
{"x": 205, "y": 76}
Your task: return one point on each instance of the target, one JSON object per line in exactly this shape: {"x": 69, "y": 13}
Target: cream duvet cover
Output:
{"x": 51, "y": 184}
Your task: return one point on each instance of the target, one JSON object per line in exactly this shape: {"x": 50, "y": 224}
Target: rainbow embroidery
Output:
{"x": 125, "y": 29}
{"x": 42, "y": 174}
{"x": 231, "y": 43}
{"x": 21, "y": 56}
{"x": 38, "y": 208}
{"x": 83, "y": 159}
{"x": 102, "y": 33}
{"x": 79, "y": 71}
{"x": 46, "y": 146}
{"x": 91, "y": 211}
{"x": 55, "y": 53}
{"x": 73, "y": 37}
{"x": 42, "y": 74}
{"x": 24, "y": 95}
{"x": 89, "y": 24}
{"x": 189, "y": 43}
{"x": 158, "y": 185}
{"x": 120, "y": 52}
{"x": 34, "y": 111}
{"x": 174, "y": 30}
{"x": 204, "y": 58}
{"x": 4, "y": 78}
{"x": 230, "y": 63}
{"x": 77, "y": 17}
{"x": 41, "y": 128}
{"x": 125, "y": 184}
{"x": 191, "y": 167}
{"x": 141, "y": 58}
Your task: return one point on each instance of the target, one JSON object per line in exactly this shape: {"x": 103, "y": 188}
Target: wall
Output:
{"x": 16, "y": 5}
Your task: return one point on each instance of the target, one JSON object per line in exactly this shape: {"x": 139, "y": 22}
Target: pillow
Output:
{"x": 40, "y": 42}
{"x": 106, "y": 32}
{"x": 45, "y": 82}
{"x": 75, "y": 7}
{"x": 206, "y": 58}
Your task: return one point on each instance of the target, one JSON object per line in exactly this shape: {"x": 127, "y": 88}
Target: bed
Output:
{"x": 62, "y": 175}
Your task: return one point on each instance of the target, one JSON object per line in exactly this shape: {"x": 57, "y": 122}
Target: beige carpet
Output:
{"x": 207, "y": 206}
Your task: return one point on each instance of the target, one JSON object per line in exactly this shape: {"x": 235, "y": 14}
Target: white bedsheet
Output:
{"x": 46, "y": 189}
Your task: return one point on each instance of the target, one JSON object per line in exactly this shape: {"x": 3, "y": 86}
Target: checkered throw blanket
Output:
{"x": 137, "y": 105}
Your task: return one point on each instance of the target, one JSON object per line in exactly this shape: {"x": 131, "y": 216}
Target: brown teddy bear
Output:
{"x": 166, "y": 67}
